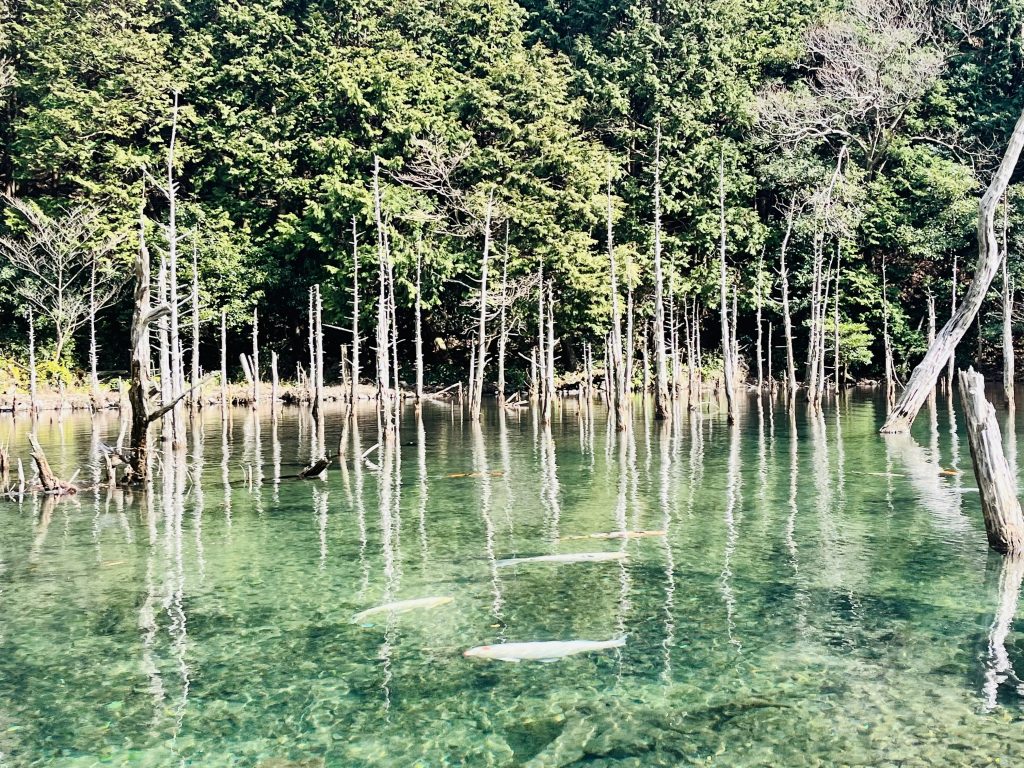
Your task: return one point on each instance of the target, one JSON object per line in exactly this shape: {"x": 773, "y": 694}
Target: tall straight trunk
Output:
{"x": 419, "y": 321}
{"x": 661, "y": 405}
{"x": 690, "y": 354}
{"x": 617, "y": 389}
{"x": 223, "y": 358}
{"x": 890, "y": 385}
{"x": 477, "y": 395}
{"x": 534, "y": 382}
{"x": 94, "y": 378}
{"x": 32, "y": 378}
{"x": 757, "y": 307}
{"x": 551, "y": 347}
{"x": 645, "y": 352}
{"x": 813, "y": 344}
{"x": 355, "y": 314}
{"x": 950, "y": 365}
{"x": 931, "y": 316}
{"x": 273, "y": 381}
{"x": 318, "y": 353}
{"x": 768, "y": 360}
{"x": 138, "y": 393}
{"x": 542, "y": 356}
{"x": 383, "y": 375}
{"x": 630, "y": 339}
{"x": 255, "y": 357}
{"x": 472, "y": 374}
{"x": 177, "y": 366}
{"x": 164, "y": 341}
{"x": 927, "y": 371}
{"x": 503, "y": 322}
{"x": 194, "y": 396}
{"x": 787, "y": 318}
{"x": 835, "y": 322}
{"x": 673, "y": 352}
{"x": 393, "y": 326}
{"x": 728, "y": 358}
{"x": 311, "y": 346}
{"x": 1008, "y": 361}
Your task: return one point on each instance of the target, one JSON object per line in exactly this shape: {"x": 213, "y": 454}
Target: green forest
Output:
{"x": 853, "y": 139}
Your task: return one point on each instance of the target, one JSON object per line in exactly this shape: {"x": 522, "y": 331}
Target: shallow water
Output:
{"x": 822, "y": 597}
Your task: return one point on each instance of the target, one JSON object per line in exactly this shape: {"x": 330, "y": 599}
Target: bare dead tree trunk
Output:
{"x": 32, "y": 377}
{"x": 619, "y": 395}
{"x": 355, "y": 314}
{"x": 311, "y": 345}
{"x": 927, "y": 371}
{"x": 142, "y": 318}
{"x": 318, "y": 339}
{"x": 503, "y": 322}
{"x": 477, "y": 395}
{"x": 255, "y": 357}
{"x": 690, "y": 354}
{"x": 273, "y": 381}
{"x": 757, "y": 307}
{"x": 550, "y": 366}
{"x": 194, "y": 398}
{"x": 662, "y": 409}
{"x": 393, "y": 329}
{"x": 383, "y": 374}
{"x": 1004, "y": 522}
{"x": 768, "y": 361}
{"x": 835, "y": 323}
{"x": 1008, "y": 361}
{"x": 419, "y": 327}
{"x": 542, "y": 356}
{"x": 534, "y": 382}
{"x": 177, "y": 365}
{"x": 787, "y": 318}
{"x": 223, "y": 359}
{"x": 630, "y": 339}
{"x": 94, "y": 378}
{"x": 952, "y": 311}
{"x": 890, "y": 384}
{"x": 728, "y": 359}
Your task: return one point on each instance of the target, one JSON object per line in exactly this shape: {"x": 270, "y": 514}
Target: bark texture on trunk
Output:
{"x": 1004, "y": 522}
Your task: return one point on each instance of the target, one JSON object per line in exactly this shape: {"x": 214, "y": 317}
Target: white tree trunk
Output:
{"x": 477, "y": 394}
{"x": 728, "y": 355}
{"x": 662, "y": 409}
{"x": 419, "y": 322}
{"x": 355, "y": 315}
{"x": 194, "y": 397}
{"x": 927, "y": 371}
{"x": 223, "y": 359}
{"x": 1008, "y": 361}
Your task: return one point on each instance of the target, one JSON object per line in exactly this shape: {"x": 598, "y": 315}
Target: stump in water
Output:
{"x": 1004, "y": 522}
{"x": 317, "y": 468}
{"x": 50, "y": 482}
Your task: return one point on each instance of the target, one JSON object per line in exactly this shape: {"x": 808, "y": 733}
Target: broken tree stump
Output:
{"x": 50, "y": 482}
{"x": 1004, "y": 522}
{"x": 317, "y": 468}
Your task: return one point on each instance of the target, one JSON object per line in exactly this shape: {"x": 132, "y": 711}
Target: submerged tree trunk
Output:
{"x": 927, "y": 371}
{"x": 383, "y": 374}
{"x": 1004, "y": 522}
{"x": 255, "y": 357}
{"x": 890, "y": 384}
{"x": 757, "y": 307}
{"x": 662, "y": 408}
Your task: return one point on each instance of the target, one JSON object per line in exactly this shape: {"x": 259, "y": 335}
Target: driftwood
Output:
{"x": 50, "y": 482}
{"x": 317, "y": 468}
{"x": 1004, "y": 522}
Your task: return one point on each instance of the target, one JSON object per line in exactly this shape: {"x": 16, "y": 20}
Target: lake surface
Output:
{"x": 822, "y": 596}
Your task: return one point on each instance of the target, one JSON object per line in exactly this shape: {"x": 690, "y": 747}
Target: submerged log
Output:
{"x": 1004, "y": 522}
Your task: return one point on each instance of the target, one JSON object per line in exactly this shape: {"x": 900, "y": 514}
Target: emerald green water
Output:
{"x": 800, "y": 611}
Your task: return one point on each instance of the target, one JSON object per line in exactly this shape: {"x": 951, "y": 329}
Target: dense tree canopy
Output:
{"x": 877, "y": 121}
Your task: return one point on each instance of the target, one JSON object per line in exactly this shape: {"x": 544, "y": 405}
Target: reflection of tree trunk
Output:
{"x": 998, "y": 667}
{"x": 927, "y": 371}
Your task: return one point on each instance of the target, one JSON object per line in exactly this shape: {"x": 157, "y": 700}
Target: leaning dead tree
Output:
{"x": 926, "y": 374}
{"x": 61, "y": 265}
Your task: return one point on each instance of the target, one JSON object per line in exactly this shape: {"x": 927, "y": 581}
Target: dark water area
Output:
{"x": 822, "y": 596}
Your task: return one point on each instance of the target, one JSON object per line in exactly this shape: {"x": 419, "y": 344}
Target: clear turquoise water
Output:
{"x": 822, "y": 597}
